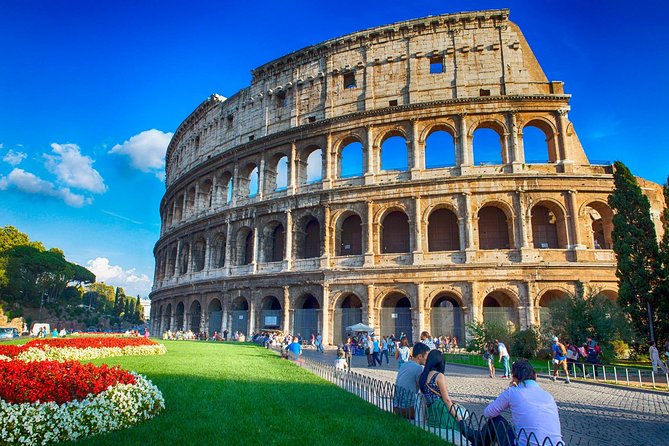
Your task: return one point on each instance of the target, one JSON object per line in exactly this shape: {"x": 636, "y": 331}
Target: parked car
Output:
{"x": 46, "y": 329}
{"x": 8, "y": 333}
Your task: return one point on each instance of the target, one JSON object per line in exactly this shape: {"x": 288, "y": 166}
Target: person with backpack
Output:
{"x": 559, "y": 359}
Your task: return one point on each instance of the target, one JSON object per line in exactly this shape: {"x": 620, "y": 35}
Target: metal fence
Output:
{"x": 473, "y": 430}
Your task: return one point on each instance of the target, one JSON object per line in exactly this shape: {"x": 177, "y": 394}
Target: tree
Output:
{"x": 662, "y": 290}
{"x": 139, "y": 311}
{"x": 635, "y": 244}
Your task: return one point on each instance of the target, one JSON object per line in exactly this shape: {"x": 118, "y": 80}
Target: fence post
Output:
{"x": 594, "y": 373}
{"x": 652, "y": 376}
{"x": 640, "y": 382}
{"x": 627, "y": 375}
{"x": 604, "y": 369}
{"x": 615, "y": 374}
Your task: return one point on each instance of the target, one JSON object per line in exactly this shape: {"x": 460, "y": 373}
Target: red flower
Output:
{"x": 81, "y": 343}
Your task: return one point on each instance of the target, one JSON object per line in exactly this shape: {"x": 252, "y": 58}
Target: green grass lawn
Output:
{"x": 241, "y": 394}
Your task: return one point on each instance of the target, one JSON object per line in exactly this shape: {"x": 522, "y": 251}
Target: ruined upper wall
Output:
{"x": 482, "y": 54}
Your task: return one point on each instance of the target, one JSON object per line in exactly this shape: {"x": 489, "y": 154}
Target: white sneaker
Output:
{"x": 553, "y": 378}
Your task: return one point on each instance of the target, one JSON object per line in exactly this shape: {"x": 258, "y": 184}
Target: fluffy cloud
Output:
{"x": 146, "y": 151}
{"x": 29, "y": 183}
{"x": 14, "y": 158}
{"x": 74, "y": 169}
{"x": 114, "y": 275}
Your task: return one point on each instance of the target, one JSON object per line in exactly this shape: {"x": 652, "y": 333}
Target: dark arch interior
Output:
{"x": 271, "y": 303}
{"x": 446, "y": 301}
{"x": 310, "y": 303}
{"x": 351, "y": 301}
{"x": 240, "y": 304}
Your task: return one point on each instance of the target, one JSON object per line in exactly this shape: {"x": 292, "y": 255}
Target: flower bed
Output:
{"x": 48, "y": 414}
{"x": 80, "y": 349}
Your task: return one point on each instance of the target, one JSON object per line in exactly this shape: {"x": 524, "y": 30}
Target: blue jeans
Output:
{"x": 505, "y": 364}
{"x": 384, "y": 353}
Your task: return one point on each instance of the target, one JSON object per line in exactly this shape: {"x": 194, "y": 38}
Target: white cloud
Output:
{"x": 74, "y": 169}
{"x": 146, "y": 151}
{"x": 29, "y": 183}
{"x": 14, "y": 158}
{"x": 132, "y": 282}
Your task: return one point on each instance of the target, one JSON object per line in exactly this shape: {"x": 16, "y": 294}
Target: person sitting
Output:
{"x": 426, "y": 339}
{"x": 406, "y": 383}
{"x": 294, "y": 350}
{"x": 533, "y": 411}
{"x": 440, "y": 410}
{"x": 340, "y": 362}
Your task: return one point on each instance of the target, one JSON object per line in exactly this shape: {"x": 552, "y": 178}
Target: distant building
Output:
{"x": 146, "y": 305}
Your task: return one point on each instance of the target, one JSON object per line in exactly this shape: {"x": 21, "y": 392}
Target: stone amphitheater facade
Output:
{"x": 281, "y": 211}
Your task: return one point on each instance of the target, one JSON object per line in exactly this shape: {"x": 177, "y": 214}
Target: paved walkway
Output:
{"x": 591, "y": 415}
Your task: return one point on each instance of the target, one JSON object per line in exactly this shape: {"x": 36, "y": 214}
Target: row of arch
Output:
{"x": 445, "y": 232}
{"x": 395, "y": 153}
{"x": 395, "y": 314}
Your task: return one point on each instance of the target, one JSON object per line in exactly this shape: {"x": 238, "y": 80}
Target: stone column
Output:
{"x": 573, "y": 219}
{"x": 418, "y": 232}
{"x": 286, "y": 310}
{"x": 288, "y": 252}
{"x": 215, "y": 199}
{"x": 327, "y": 161}
{"x": 207, "y": 254}
{"x": 371, "y": 308}
{"x": 196, "y": 200}
{"x": 204, "y": 321}
{"x": 261, "y": 177}
{"x": 325, "y": 332}
{"x": 235, "y": 185}
{"x": 418, "y": 161}
{"x": 521, "y": 229}
{"x": 466, "y": 157}
{"x": 561, "y": 147}
{"x": 420, "y": 296}
{"x": 256, "y": 248}
{"x": 292, "y": 168}
{"x": 518, "y": 157}
{"x": 228, "y": 246}
{"x": 370, "y": 155}
{"x": 369, "y": 248}
{"x": 252, "y": 316}
{"x": 325, "y": 260}
{"x": 172, "y": 328}
{"x": 224, "y": 317}
{"x": 470, "y": 221}
{"x": 177, "y": 263}
{"x": 476, "y": 311}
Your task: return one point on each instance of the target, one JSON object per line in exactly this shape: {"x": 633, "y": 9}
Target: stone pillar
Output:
{"x": 177, "y": 263}
{"x": 517, "y": 156}
{"x": 215, "y": 199}
{"x": 235, "y": 185}
{"x": 370, "y": 155}
{"x": 525, "y": 307}
{"x": 286, "y": 310}
{"x": 325, "y": 332}
{"x": 466, "y": 157}
{"x": 325, "y": 260}
{"x": 224, "y": 317}
{"x": 573, "y": 219}
{"x": 369, "y": 248}
{"x": 420, "y": 296}
{"x": 292, "y": 169}
{"x": 252, "y": 317}
{"x": 207, "y": 254}
{"x": 327, "y": 161}
{"x": 470, "y": 221}
{"x": 204, "y": 321}
{"x": 371, "y": 308}
{"x": 561, "y": 147}
{"x": 256, "y": 248}
{"x": 261, "y": 177}
{"x": 476, "y": 310}
{"x": 521, "y": 222}
{"x": 417, "y": 155}
{"x": 417, "y": 233}
{"x": 531, "y": 313}
{"x": 172, "y": 328}
{"x": 196, "y": 199}
{"x": 228, "y": 246}
{"x": 288, "y": 252}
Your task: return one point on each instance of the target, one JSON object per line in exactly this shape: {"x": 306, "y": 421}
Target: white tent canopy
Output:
{"x": 360, "y": 327}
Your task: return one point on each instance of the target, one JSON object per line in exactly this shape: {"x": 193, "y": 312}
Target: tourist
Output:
{"x": 426, "y": 339}
{"x": 655, "y": 358}
{"x": 348, "y": 346}
{"x": 63, "y": 332}
{"x": 225, "y": 334}
{"x": 559, "y": 359}
{"x": 146, "y": 333}
{"x": 384, "y": 350}
{"x": 376, "y": 351}
{"x": 294, "y": 350}
{"x": 503, "y": 358}
{"x": 319, "y": 343}
{"x": 454, "y": 343}
{"x": 406, "y": 382}
{"x": 369, "y": 350}
{"x": 440, "y": 410}
{"x": 340, "y": 362}
{"x": 489, "y": 358}
{"x": 533, "y": 412}
{"x": 403, "y": 352}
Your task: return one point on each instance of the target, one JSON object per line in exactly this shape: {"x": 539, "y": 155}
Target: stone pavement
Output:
{"x": 590, "y": 415}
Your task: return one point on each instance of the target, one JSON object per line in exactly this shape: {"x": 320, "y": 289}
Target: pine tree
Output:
{"x": 139, "y": 311}
{"x": 662, "y": 290}
{"x": 635, "y": 244}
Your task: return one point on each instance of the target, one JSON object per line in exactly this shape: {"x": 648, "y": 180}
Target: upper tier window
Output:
{"x": 436, "y": 65}
{"x": 349, "y": 80}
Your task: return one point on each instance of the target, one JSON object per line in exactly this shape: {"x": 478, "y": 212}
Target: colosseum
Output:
{"x": 415, "y": 176}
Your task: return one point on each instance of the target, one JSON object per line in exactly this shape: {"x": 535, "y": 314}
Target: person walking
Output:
{"x": 376, "y": 350}
{"x": 384, "y": 350}
{"x": 348, "y": 346}
{"x": 403, "y": 352}
{"x": 319, "y": 343}
{"x": 369, "y": 351}
{"x": 655, "y": 358}
{"x": 489, "y": 358}
{"x": 406, "y": 383}
{"x": 503, "y": 358}
{"x": 559, "y": 359}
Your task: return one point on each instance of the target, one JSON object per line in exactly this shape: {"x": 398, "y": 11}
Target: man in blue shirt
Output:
{"x": 559, "y": 359}
{"x": 503, "y": 358}
{"x": 294, "y": 350}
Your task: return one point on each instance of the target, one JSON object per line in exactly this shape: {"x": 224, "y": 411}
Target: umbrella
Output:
{"x": 360, "y": 327}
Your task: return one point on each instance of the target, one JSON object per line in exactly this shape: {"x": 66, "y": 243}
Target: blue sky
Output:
{"x": 91, "y": 91}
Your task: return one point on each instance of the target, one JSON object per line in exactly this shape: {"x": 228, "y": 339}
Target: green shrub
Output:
{"x": 526, "y": 343}
{"x": 621, "y": 349}
{"x": 480, "y": 333}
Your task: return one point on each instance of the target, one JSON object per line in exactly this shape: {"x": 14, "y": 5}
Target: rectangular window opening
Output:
{"x": 436, "y": 65}
{"x": 484, "y": 92}
{"x": 349, "y": 80}
{"x": 251, "y": 137}
{"x": 392, "y": 103}
{"x": 312, "y": 119}
{"x": 281, "y": 100}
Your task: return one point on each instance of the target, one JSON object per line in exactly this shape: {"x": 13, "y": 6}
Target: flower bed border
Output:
{"x": 118, "y": 407}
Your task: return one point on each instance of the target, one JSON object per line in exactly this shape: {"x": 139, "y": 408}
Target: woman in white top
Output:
{"x": 403, "y": 352}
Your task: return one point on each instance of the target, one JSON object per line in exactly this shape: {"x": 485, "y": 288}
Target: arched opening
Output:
{"x": 314, "y": 167}
{"x": 274, "y": 240}
{"x": 178, "y": 208}
{"x": 220, "y": 192}
{"x": 395, "y": 233}
{"x": 350, "y": 238}
{"x": 244, "y": 246}
{"x": 254, "y": 182}
{"x": 281, "y": 174}
{"x": 395, "y": 317}
{"x": 600, "y": 218}
{"x": 306, "y": 314}
{"x": 199, "y": 253}
{"x": 185, "y": 258}
{"x": 215, "y": 311}
{"x": 349, "y": 312}
{"x": 310, "y": 244}
{"x": 547, "y": 299}
{"x": 190, "y": 200}
{"x": 240, "y": 315}
{"x": 548, "y": 227}
{"x": 205, "y": 199}
{"x": 487, "y": 146}
{"x": 439, "y": 150}
{"x": 166, "y": 324}
{"x": 610, "y": 295}
{"x": 195, "y": 317}
{"x": 493, "y": 228}
{"x": 229, "y": 191}
{"x": 500, "y": 309}
{"x": 271, "y": 314}
{"x": 219, "y": 252}
{"x": 172, "y": 262}
{"x": 447, "y": 317}
{"x": 179, "y": 317}
{"x": 351, "y": 160}
{"x": 443, "y": 233}
{"x": 394, "y": 154}
{"x": 538, "y": 143}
